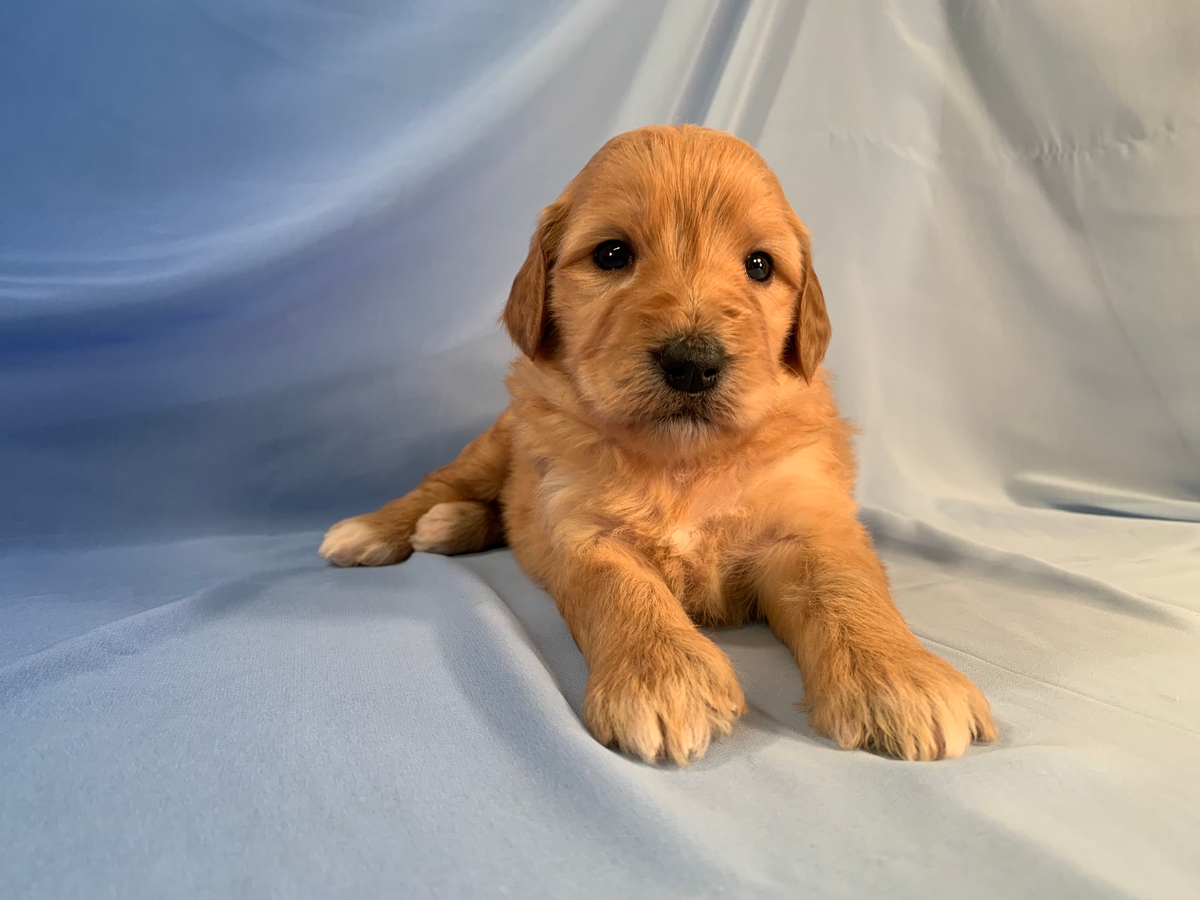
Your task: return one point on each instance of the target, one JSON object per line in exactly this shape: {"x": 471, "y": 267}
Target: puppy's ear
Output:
{"x": 527, "y": 313}
{"x": 810, "y": 339}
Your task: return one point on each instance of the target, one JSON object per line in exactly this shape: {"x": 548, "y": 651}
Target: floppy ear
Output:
{"x": 810, "y": 339}
{"x": 527, "y": 314}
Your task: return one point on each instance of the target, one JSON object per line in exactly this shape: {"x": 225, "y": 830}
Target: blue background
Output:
{"x": 252, "y": 256}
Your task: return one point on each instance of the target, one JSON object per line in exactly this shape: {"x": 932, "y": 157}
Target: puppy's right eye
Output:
{"x": 612, "y": 255}
{"x": 758, "y": 266}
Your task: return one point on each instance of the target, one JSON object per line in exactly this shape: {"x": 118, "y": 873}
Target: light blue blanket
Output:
{"x": 251, "y": 259}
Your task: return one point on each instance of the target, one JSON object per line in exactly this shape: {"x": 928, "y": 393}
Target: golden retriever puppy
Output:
{"x": 672, "y": 457}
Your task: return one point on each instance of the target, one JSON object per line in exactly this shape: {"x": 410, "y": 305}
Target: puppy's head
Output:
{"x": 673, "y": 284}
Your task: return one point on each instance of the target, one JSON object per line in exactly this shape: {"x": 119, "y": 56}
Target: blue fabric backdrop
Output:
{"x": 251, "y": 259}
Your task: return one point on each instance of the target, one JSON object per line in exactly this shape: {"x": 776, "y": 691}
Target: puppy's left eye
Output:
{"x": 758, "y": 266}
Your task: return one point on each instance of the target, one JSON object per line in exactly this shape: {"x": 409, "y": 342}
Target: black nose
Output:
{"x": 691, "y": 364}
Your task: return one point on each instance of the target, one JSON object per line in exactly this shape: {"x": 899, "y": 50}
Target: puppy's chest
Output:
{"x": 694, "y": 537}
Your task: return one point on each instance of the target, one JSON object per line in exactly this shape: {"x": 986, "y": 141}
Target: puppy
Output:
{"x": 672, "y": 457}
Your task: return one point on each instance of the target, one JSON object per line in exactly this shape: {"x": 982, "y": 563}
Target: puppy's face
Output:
{"x": 673, "y": 284}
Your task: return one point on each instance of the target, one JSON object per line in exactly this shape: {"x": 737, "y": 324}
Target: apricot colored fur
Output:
{"x": 644, "y": 521}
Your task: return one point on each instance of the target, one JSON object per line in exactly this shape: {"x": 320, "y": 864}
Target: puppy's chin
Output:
{"x": 669, "y": 426}
{"x": 686, "y": 415}
{"x": 685, "y": 435}
{"x": 679, "y": 428}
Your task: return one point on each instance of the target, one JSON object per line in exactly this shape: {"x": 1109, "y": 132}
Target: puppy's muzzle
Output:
{"x": 692, "y": 364}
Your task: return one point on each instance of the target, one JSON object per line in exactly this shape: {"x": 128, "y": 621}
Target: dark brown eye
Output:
{"x": 758, "y": 265}
{"x": 612, "y": 255}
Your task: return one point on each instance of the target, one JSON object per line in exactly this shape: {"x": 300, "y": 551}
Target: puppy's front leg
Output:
{"x": 868, "y": 682}
{"x": 656, "y": 686}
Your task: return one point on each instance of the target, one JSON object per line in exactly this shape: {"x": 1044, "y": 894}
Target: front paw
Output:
{"x": 361, "y": 541}
{"x": 912, "y": 705}
{"x": 664, "y": 700}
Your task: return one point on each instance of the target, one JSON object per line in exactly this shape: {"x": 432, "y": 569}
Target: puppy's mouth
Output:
{"x": 667, "y": 399}
{"x": 688, "y": 411}
{"x": 692, "y": 414}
